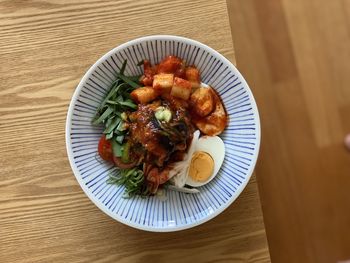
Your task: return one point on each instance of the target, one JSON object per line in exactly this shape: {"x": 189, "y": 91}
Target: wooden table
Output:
{"x": 45, "y": 48}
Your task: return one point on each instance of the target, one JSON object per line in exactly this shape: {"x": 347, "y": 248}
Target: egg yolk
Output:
{"x": 201, "y": 166}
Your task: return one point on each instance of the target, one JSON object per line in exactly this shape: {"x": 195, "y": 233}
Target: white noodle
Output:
{"x": 179, "y": 172}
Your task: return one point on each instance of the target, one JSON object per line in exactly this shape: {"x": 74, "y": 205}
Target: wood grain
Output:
{"x": 295, "y": 55}
{"x": 45, "y": 48}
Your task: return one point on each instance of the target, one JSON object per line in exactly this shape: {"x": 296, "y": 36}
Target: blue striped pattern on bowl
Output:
{"x": 179, "y": 210}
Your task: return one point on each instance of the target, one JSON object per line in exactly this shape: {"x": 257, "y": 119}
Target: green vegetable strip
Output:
{"x": 119, "y": 98}
{"x": 120, "y": 126}
{"x": 116, "y": 148}
{"x": 113, "y": 91}
{"x": 132, "y": 179}
{"x": 118, "y": 133}
{"x": 111, "y": 113}
{"x": 112, "y": 102}
{"x": 130, "y": 172}
{"x": 134, "y": 78}
{"x": 127, "y": 80}
{"x": 128, "y": 103}
{"x": 107, "y": 112}
{"x": 112, "y": 126}
{"x": 126, "y": 152}
{"x": 120, "y": 139}
{"x": 108, "y": 122}
{"x": 109, "y": 136}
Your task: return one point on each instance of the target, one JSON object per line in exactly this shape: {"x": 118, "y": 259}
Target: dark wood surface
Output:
{"x": 295, "y": 56}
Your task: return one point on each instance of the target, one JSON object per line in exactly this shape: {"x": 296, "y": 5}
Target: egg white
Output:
{"x": 215, "y": 147}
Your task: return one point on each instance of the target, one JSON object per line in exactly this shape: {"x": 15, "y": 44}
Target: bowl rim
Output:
{"x": 70, "y": 152}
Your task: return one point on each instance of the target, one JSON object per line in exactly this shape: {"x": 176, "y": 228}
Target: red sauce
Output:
{"x": 214, "y": 123}
{"x": 161, "y": 140}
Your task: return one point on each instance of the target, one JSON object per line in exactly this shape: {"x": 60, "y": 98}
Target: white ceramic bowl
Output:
{"x": 179, "y": 210}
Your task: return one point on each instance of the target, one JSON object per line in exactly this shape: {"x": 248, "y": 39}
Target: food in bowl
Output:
{"x": 161, "y": 128}
{"x": 173, "y": 210}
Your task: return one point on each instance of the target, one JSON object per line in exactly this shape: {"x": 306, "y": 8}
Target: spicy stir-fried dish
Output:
{"x": 160, "y": 128}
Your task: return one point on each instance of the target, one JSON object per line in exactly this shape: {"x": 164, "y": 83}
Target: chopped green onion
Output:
{"x": 112, "y": 102}
{"x": 105, "y": 114}
{"x": 109, "y": 121}
{"x": 113, "y": 91}
{"x": 109, "y": 136}
{"x": 119, "y": 98}
{"x": 117, "y": 148}
{"x": 112, "y": 125}
{"x": 126, "y": 152}
{"x": 121, "y": 126}
{"x": 163, "y": 114}
{"x": 118, "y": 133}
{"x": 120, "y": 139}
{"x": 112, "y": 113}
{"x": 128, "y": 103}
{"x": 128, "y": 81}
{"x": 135, "y": 78}
{"x": 132, "y": 179}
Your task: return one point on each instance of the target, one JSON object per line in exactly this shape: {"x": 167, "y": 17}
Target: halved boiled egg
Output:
{"x": 206, "y": 160}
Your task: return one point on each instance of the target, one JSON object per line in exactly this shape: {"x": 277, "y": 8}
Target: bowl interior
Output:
{"x": 177, "y": 210}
